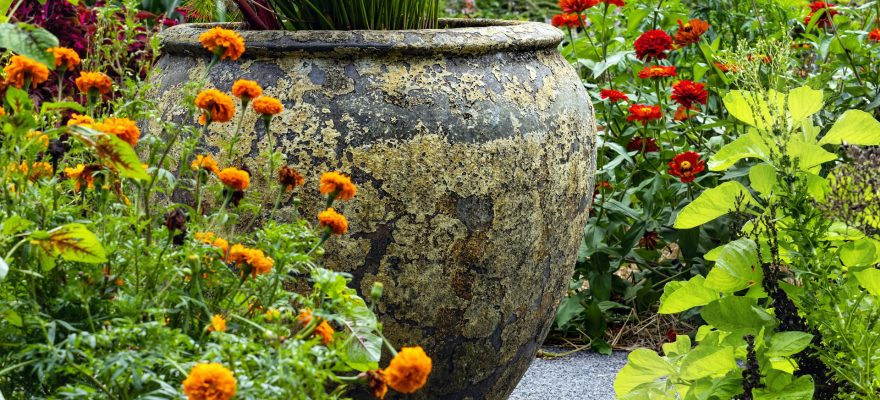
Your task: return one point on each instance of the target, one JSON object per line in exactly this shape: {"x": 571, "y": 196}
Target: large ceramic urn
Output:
{"x": 473, "y": 148}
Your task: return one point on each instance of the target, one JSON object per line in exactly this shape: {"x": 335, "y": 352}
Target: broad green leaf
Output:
{"x": 870, "y": 280}
{"x": 817, "y": 186}
{"x": 737, "y": 267}
{"x": 762, "y": 178}
{"x": 115, "y": 152}
{"x": 13, "y": 318}
{"x": 686, "y": 295}
{"x": 643, "y": 366}
{"x": 29, "y": 41}
{"x": 799, "y": 389}
{"x": 708, "y": 361}
{"x": 854, "y": 127}
{"x": 750, "y": 145}
{"x": 786, "y": 344}
{"x": 4, "y": 269}
{"x": 15, "y": 224}
{"x": 364, "y": 347}
{"x": 860, "y": 253}
{"x": 783, "y": 364}
{"x": 735, "y": 313}
{"x": 804, "y": 102}
{"x": 681, "y": 346}
{"x": 760, "y": 110}
{"x": 808, "y": 155}
{"x": 74, "y": 242}
{"x": 712, "y": 204}
{"x": 569, "y": 308}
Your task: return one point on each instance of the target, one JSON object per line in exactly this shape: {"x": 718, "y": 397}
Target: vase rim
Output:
{"x": 457, "y": 36}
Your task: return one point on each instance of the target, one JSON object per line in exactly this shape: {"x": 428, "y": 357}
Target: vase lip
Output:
{"x": 455, "y": 36}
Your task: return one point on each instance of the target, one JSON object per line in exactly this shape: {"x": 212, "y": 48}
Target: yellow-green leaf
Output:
{"x": 74, "y": 242}
{"x": 804, "y": 102}
{"x": 113, "y": 151}
{"x": 750, "y": 145}
{"x": 713, "y": 203}
{"x": 854, "y": 127}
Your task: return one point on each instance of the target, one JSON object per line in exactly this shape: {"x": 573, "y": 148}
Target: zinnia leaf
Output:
{"x": 29, "y": 41}
{"x": 74, "y": 242}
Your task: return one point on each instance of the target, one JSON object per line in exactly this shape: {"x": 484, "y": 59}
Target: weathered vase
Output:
{"x": 473, "y": 148}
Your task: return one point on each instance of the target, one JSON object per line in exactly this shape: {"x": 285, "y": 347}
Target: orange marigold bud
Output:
{"x": 408, "y": 370}
{"x": 96, "y": 81}
{"x": 209, "y": 382}
{"x": 246, "y": 90}
{"x": 325, "y": 331}
{"x": 122, "y": 128}
{"x": 268, "y": 105}
{"x": 21, "y": 68}
{"x": 376, "y": 383}
{"x": 218, "y": 324}
{"x": 65, "y": 59}
{"x": 289, "y": 178}
{"x": 235, "y": 178}
{"x": 205, "y": 162}
{"x": 216, "y": 105}
{"x": 337, "y": 185}
{"x": 223, "y": 42}
{"x": 333, "y": 220}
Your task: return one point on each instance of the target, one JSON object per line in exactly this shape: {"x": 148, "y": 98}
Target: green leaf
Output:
{"x": 750, "y": 145}
{"x": 737, "y": 267}
{"x": 804, "y": 102}
{"x": 786, "y": 344}
{"x": 74, "y": 242}
{"x": 854, "y": 127}
{"x": 682, "y": 296}
{"x": 115, "y": 152}
{"x": 643, "y": 366}
{"x": 681, "y": 346}
{"x": 15, "y": 224}
{"x": 735, "y": 313}
{"x": 870, "y": 280}
{"x": 569, "y": 308}
{"x": 712, "y": 204}
{"x": 64, "y": 105}
{"x": 29, "y": 41}
{"x": 19, "y": 100}
{"x": 13, "y": 318}
{"x": 808, "y": 155}
{"x": 860, "y": 253}
{"x": 4, "y": 269}
{"x": 799, "y": 389}
{"x": 760, "y": 110}
{"x": 708, "y": 361}
{"x": 364, "y": 347}
{"x": 762, "y": 178}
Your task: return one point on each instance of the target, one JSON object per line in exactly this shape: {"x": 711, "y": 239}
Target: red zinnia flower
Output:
{"x": 600, "y": 187}
{"x": 874, "y": 35}
{"x": 648, "y": 145}
{"x": 567, "y": 20}
{"x": 687, "y": 93}
{"x": 618, "y": 3}
{"x": 576, "y": 6}
{"x": 690, "y": 32}
{"x": 657, "y": 71}
{"x": 643, "y": 113}
{"x": 825, "y": 19}
{"x": 653, "y": 44}
{"x": 686, "y": 166}
{"x": 613, "y": 95}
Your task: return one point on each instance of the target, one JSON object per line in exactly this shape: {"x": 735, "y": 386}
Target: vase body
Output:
{"x": 473, "y": 149}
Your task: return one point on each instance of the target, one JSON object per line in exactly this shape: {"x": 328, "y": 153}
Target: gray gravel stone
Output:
{"x": 583, "y": 375}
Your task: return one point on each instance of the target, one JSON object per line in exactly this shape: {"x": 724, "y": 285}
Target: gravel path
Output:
{"x": 581, "y": 376}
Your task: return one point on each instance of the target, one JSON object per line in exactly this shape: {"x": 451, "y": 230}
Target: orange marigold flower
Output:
{"x": 333, "y": 220}
{"x": 337, "y": 185}
{"x": 690, "y": 32}
{"x": 686, "y": 166}
{"x": 268, "y": 105}
{"x": 209, "y": 382}
{"x": 325, "y": 331}
{"x": 235, "y": 178}
{"x": 874, "y": 35}
{"x": 221, "y": 244}
{"x": 41, "y": 139}
{"x": 82, "y": 174}
{"x": 205, "y": 162}
{"x": 259, "y": 262}
{"x": 682, "y": 114}
{"x": 2, "y": 112}
{"x": 408, "y": 370}
{"x": 65, "y": 59}
{"x": 644, "y": 113}
{"x": 657, "y": 71}
{"x": 218, "y": 323}
{"x": 122, "y": 128}
{"x": 21, "y": 68}
{"x": 223, "y": 42}
{"x": 40, "y": 169}
{"x": 376, "y": 383}
{"x": 576, "y": 6}
{"x": 289, "y": 178}
{"x": 273, "y": 314}
{"x": 216, "y": 105}
{"x": 205, "y": 237}
{"x": 687, "y": 93}
{"x": 653, "y": 44}
{"x": 304, "y": 317}
{"x": 82, "y": 120}
{"x": 97, "y": 81}
{"x": 246, "y": 90}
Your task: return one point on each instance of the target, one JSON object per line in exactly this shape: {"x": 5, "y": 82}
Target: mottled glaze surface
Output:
{"x": 473, "y": 148}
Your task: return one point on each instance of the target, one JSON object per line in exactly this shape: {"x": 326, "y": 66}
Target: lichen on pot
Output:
{"x": 473, "y": 148}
